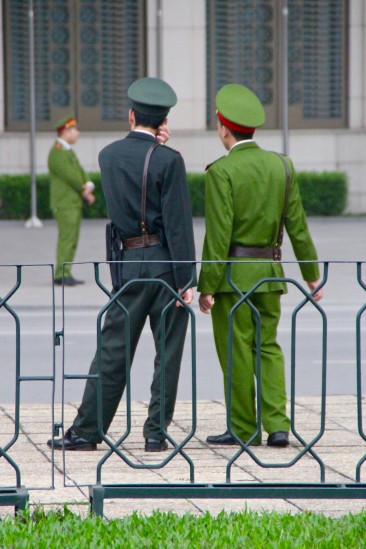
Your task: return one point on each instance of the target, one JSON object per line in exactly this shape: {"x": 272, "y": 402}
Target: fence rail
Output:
{"x": 116, "y": 446}
{"x": 18, "y": 495}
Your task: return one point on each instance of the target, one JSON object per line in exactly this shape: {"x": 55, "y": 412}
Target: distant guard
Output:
{"x": 69, "y": 189}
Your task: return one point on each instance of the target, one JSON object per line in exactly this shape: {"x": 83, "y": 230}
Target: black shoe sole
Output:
{"x": 79, "y": 448}
{"x": 231, "y": 443}
{"x": 280, "y": 444}
{"x": 73, "y": 282}
{"x": 156, "y": 447}
{"x": 234, "y": 443}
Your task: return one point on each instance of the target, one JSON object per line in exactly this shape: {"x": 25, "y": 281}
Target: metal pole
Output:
{"x": 159, "y": 40}
{"x": 285, "y": 75}
{"x": 33, "y": 221}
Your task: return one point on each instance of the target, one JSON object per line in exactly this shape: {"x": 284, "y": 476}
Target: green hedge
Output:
{"x": 322, "y": 194}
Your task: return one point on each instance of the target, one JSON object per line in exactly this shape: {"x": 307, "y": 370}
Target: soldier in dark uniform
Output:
{"x": 167, "y": 235}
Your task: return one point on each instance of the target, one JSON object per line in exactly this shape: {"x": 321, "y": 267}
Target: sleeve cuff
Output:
{"x": 90, "y": 184}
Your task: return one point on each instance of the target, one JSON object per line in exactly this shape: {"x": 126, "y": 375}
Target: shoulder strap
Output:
{"x": 144, "y": 187}
{"x": 287, "y": 189}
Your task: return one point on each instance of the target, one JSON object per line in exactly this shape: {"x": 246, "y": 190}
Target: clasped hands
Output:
{"x": 87, "y": 193}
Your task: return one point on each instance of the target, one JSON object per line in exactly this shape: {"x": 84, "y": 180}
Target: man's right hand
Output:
{"x": 314, "y": 284}
{"x": 87, "y": 195}
{"x": 206, "y": 302}
{"x": 163, "y": 134}
{"x": 187, "y": 297}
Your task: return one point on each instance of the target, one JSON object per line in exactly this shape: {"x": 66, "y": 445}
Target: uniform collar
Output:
{"x": 247, "y": 144}
{"x": 241, "y": 142}
{"x": 64, "y": 144}
{"x": 142, "y": 135}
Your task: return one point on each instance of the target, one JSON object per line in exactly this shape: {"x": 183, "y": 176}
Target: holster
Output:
{"x": 114, "y": 253}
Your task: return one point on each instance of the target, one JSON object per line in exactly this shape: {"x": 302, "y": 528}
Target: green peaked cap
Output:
{"x": 64, "y": 120}
{"x": 152, "y": 96}
{"x": 240, "y": 105}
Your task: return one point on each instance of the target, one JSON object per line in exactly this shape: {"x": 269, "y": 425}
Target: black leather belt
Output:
{"x": 250, "y": 251}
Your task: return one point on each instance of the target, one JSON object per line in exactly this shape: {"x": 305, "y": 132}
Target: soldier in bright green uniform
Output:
{"x": 245, "y": 199}
{"x": 69, "y": 189}
{"x": 155, "y": 227}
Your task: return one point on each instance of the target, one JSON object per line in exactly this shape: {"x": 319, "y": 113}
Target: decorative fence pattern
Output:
{"x": 181, "y": 449}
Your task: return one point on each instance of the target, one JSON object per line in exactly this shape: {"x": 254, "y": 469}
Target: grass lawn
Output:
{"x": 63, "y": 529}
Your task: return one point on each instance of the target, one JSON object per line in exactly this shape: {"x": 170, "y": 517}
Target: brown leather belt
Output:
{"x": 144, "y": 241}
{"x": 262, "y": 253}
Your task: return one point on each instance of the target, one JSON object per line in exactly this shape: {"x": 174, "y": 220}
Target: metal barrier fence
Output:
{"x": 99, "y": 491}
{"x": 18, "y": 495}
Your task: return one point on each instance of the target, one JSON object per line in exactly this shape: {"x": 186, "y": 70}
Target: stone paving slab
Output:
{"x": 341, "y": 448}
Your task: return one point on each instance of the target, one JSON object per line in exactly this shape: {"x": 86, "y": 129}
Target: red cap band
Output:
{"x": 69, "y": 124}
{"x": 233, "y": 126}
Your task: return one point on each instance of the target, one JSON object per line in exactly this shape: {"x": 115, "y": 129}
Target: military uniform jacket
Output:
{"x": 245, "y": 193}
{"x": 168, "y": 207}
{"x": 67, "y": 178}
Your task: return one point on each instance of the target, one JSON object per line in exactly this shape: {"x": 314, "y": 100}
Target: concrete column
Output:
{"x": 184, "y": 60}
{"x": 364, "y": 63}
{"x": 151, "y": 42}
{"x": 2, "y": 93}
{"x": 357, "y": 64}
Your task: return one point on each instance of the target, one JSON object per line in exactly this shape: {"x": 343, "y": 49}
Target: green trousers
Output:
{"x": 141, "y": 301}
{"x": 273, "y": 397}
{"x": 68, "y": 222}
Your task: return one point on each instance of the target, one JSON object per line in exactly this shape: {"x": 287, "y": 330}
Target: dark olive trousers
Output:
{"x": 141, "y": 301}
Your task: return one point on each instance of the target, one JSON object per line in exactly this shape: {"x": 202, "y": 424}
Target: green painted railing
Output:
{"x": 99, "y": 492}
{"x": 18, "y": 495}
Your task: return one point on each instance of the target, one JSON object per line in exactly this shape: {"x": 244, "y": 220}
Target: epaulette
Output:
{"x": 279, "y": 154}
{"x": 285, "y": 159}
{"x": 214, "y": 162}
{"x": 164, "y": 146}
{"x": 58, "y": 146}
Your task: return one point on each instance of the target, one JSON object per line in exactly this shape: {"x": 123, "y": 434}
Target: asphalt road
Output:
{"x": 340, "y": 241}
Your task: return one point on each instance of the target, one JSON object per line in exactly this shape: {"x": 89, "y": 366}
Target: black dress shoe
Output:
{"x": 72, "y": 441}
{"x": 155, "y": 445}
{"x": 68, "y": 281}
{"x": 280, "y": 438}
{"x": 77, "y": 281}
{"x": 226, "y": 438}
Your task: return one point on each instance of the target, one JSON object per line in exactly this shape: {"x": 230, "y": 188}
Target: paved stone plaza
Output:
{"x": 340, "y": 448}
